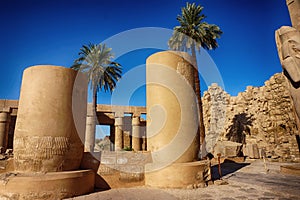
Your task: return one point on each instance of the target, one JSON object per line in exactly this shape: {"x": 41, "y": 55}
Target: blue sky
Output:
{"x": 52, "y": 32}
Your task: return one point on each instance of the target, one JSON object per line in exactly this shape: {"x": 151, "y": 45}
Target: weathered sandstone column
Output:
{"x": 118, "y": 132}
{"x": 46, "y": 136}
{"x": 3, "y": 129}
{"x": 171, "y": 107}
{"x": 172, "y": 123}
{"x": 136, "y": 135}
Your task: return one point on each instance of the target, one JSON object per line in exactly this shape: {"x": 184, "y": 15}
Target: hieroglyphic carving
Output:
{"x": 38, "y": 150}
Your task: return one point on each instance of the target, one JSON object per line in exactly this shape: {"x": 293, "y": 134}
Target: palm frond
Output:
{"x": 95, "y": 61}
{"x": 193, "y": 31}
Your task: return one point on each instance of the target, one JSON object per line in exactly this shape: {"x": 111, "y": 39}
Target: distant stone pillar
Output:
{"x": 112, "y": 137}
{"x": 294, "y": 10}
{"x": 144, "y": 145}
{"x": 127, "y": 132}
{"x": 3, "y": 130}
{"x": 118, "y": 133}
{"x": 90, "y": 133}
{"x": 136, "y": 135}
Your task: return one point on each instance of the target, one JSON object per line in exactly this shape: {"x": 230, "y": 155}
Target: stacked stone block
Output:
{"x": 263, "y": 116}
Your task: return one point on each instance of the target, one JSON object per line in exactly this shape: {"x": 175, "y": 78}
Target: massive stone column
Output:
{"x": 171, "y": 106}
{"x": 51, "y": 120}
{"x": 118, "y": 132}
{"x": 49, "y": 135}
{"x": 172, "y": 122}
{"x": 136, "y": 135}
{"x": 3, "y": 130}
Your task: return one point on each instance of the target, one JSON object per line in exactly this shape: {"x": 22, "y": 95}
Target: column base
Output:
{"x": 46, "y": 186}
{"x": 179, "y": 175}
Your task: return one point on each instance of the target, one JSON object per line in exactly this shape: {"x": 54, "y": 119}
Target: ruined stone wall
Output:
{"x": 260, "y": 115}
{"x": 215, "y": 102}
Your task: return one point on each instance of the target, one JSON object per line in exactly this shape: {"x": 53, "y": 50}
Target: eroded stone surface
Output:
{"x": 260, "y": 115}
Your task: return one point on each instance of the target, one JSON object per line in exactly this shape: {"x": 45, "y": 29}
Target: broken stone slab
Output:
{"x": 227, "y": 149}
{"x": 252, "y": 151}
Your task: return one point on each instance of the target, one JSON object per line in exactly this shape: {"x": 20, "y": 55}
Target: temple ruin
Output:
{"x": 47, "y": 139}
{"x": 261, "y": 120}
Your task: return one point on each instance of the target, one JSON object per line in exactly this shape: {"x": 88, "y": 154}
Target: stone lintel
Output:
{"x": 124, "y": 109}
{"x": 8, "y": 105}
{"x": 12, "y": 105}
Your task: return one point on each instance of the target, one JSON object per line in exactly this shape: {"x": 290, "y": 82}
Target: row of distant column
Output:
{"x": 137, "y": 133}
{"x": 125, "y": 128}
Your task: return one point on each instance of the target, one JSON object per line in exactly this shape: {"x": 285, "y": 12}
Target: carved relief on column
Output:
{"x": 4, "y": 119}
{"x": 49, "y": 133}
{"x": 288, "y": 45}
{"x": 136, "y": 133}
{"x": 118, "y": 131}
{"x": 294, "y": 10}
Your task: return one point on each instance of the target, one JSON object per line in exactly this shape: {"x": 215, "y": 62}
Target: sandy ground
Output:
{"x": 248, "y": 180}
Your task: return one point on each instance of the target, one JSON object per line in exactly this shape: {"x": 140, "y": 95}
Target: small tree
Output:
{"x": 103, "y": 74}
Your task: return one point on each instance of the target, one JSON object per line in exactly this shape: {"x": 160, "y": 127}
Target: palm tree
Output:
{"x": 103, "y": 74}
{"x": 192, "y": 34}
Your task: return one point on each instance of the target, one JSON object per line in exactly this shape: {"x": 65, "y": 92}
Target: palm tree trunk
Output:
{"x": 198, "y": 94}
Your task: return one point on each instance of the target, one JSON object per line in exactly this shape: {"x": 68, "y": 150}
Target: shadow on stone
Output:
{"x": 298, "y": 141}
{"x": 90, "y": 161}
{"x": 240, "y": 126}
{"x": 101, "y": 184}
{"x": 227, "y": 167}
